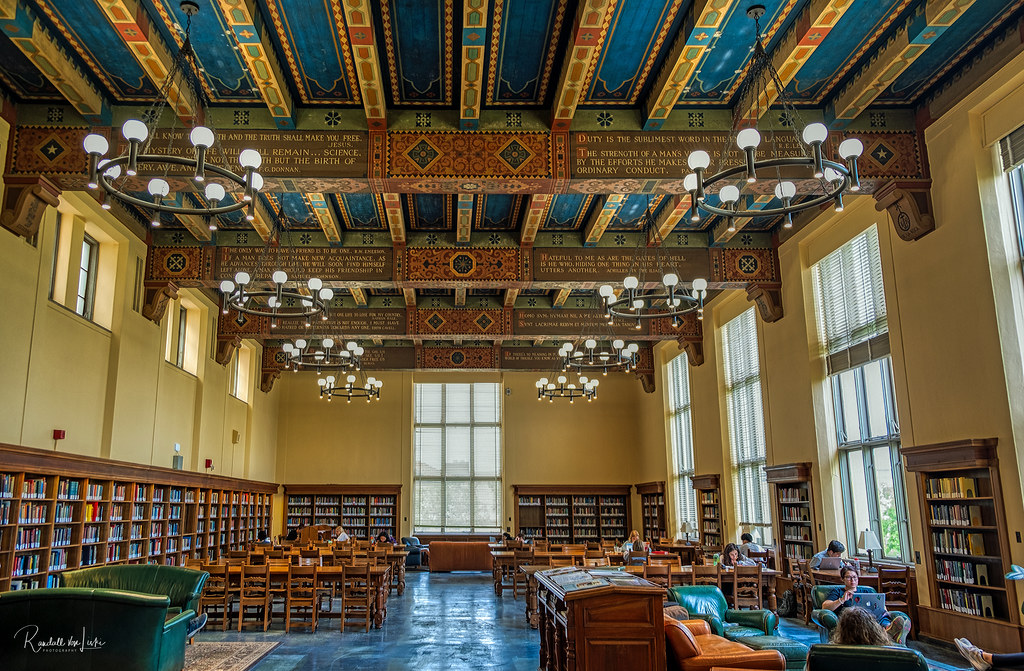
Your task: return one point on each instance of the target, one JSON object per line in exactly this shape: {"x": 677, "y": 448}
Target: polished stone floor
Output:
{"x": 452, "y": 620}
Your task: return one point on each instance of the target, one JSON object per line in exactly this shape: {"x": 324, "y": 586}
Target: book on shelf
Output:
{"x": 958, "y": 487}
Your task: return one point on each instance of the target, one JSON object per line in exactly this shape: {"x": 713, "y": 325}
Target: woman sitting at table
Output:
{"x": 384, "y": 537}
{"x": 731, "y": 557}
{"x": 339, "y": 534}
{"x": 840, "y": 597}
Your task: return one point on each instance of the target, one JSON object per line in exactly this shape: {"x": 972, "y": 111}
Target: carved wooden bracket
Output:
{"x": 694, "y": 350}
{"x": 267, "y": 380}
{"x": 225, "y": 348}
{"x": 647, "y": 380}
{"x": 158, "y": 294}
{"x": 25, "y": 202}
{"x": 910, "y": 207}
{"x": 768, "y": 301}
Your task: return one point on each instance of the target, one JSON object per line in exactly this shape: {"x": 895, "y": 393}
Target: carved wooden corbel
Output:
{"x": 25, "y": 202}
{"x": 647, "y": 380}
{"x": 158, "y": 294}
{"x": 910, "y": 207}
{"x": 227, "y": 347}
{"x": 767, "y": 300}
{"x": 267, "y": 379}
{"x": 694, "y": 350}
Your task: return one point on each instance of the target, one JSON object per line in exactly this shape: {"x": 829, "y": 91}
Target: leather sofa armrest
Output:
{"x": 697, "y": 627}
{"x": 765, "y": 620}
{"x": 180, "y": 620}
{"x": 713, "y": 621}
{"x": 825, "y": 618}
{"x": 764, "y": 660}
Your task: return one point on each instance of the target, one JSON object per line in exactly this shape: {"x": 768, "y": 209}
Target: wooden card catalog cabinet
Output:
{"x": 608, "y": 628}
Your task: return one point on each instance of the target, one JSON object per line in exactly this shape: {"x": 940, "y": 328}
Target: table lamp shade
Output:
{"x": 868, "y": 541}
{"x": 687, "y": 528}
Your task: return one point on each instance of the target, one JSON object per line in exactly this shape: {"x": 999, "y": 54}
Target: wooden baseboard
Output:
{"x": 988, "y": 634}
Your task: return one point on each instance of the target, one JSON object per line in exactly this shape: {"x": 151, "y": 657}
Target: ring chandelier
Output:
{"x": 330, "y": 388}
{"x": 562, "y": 388}
{"x": 325, "y": 355}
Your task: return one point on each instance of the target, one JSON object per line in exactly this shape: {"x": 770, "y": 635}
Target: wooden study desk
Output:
{"x": 601, "y": 628}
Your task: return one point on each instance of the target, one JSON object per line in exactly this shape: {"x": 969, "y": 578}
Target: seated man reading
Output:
{"x": 834, "y": 549}
{"x": 897, "y": 625}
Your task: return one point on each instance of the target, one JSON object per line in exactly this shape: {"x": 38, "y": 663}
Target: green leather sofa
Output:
{"x": 82, "y": 629}
{"x": 829, "y": 657}
{"x": 706, "y": 602}
{"x": 183, "y": 586}
{"x": 824, "y": 618}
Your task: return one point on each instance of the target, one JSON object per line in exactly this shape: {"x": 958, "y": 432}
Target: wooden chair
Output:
{"x": 665, "y": 560}
{"x": 194, "y": 563}
{"x": 276, "y": 553}
{"x": 216, "y": 598}
{"x": 540, "y": 546}
{"x": 357, "y": 596}
{"x": 256, "y": 559}
{"x": 310, "y": 554}
{"x": 659, "y": 575}
{"x": 342, "y": 557}
{"x": 748, "y": 587}
{"x": 793, "y": 570}
{"x": 893, "y": 580}
{"x": 607, "y": 545}
{"x": 254, "y": 594}
{"x": 574, "y": 547}
{"x": 636, "y": 558}
{"x": 567, "y": 560}
{"x": 707, "y": 575}
{"x": 594, "y": 554}
{"x": 521, "y": 558}
{"x": 809, "y": 583}
{"x": 593, "y": 545}
{"x": 238, "y": 554}
{"x": 302, "y": 597}
{"x": 593, "y": 562}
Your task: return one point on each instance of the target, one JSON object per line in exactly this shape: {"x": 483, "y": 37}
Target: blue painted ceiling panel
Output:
{"x": 429, "y": 212}
{"x": 360, "y": 212}
{"x": 317, "y": 51}
{"x": 93, "y": 39}
{"x": 528, "y": 36}
{"x": 639, "y": 35}
{"x": 21, "y": 77}
{"x": 417, "y": 39}
{"x": 499, "y": 212}
{"x": 567, "y": 212}
{"x": 634, "y": 212}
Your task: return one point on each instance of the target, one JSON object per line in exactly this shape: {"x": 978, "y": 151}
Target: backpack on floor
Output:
{"x": 787, "y": 604}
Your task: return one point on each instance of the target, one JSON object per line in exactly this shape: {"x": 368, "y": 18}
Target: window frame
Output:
{"x": 87, "y": 299}
{"x": 179, "y": 356}
{"x": 474, "y": 527}
{"x": 1016, "y": 179}
{"x": 680, "y": 424}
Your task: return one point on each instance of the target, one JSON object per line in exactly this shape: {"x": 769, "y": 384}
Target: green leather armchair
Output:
{"x": 824, "y": 618}
{"x": 80, "y": 628}
{"x": 829, "y": 657}
{"x": 183, "y": 586}
{"x": 707, "y": 603}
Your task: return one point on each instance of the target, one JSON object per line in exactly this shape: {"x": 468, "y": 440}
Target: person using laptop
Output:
{"x": 850, "y": 594}
{"x": 834, "y": 549}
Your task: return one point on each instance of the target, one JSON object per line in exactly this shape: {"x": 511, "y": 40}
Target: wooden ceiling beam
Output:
{"x": 258, "y": 53}
{"x": 893, "y": 58}
{"x": 678, "y": 209}
{"x": 561, "y": 297}
{"x": 358, "y": 295}
{"x": 799, "y": 43}
{"x": 19, "y": 21}
{"x": 510, "y": 297}
{"x": 536, "y": 214}
{"x": 601, "y": 217}
{"x": 699, "y": 31}
{"x": 721, "y": 234}
{"x": 396, "y": 218}
{"x": 143, "y": 40}
{"x": 474, "y": 41}
{"x": 325, "y": 216}
{"x": 359, "y": 23}
{"x": 410, "y": 297}
{"x": 587, "y": 38}
{"x": 263, "y": 223}
{"x": 460, "y": 298}
{"x": 198, "y": 226}
{"x": 464, "y": 219}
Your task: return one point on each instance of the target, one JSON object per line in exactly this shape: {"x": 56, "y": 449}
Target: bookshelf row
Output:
{"x": 363, "y": 511}
{"x": 572, "y": 514}
{"x": 710, "y": 522}
{"x": 652, "y": 510}
{"x": 51, "y": 520}
{"x": 794, "y": 509}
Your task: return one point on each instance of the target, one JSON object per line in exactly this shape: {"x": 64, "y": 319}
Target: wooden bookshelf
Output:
{"x": 364, "y": 510}
{"x": 60, "y": 511}
{"x": 572, "y": 514}
{"x": 794, "y": 509}
{"x": 652, "y": 510}
{"x": 967, "y": 546}
{"x": 710, "y": 518}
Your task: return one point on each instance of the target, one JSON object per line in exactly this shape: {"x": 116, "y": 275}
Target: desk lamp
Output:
{"x": 869, "y": 541}
{"x": 687, "y": 529}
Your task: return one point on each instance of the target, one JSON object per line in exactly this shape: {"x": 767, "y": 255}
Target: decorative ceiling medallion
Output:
{"x": 483, "y": 322}
{"x": 514, "y": 154}
{"x": 52, "y": 149}
{"x": 462, "y": 264}
{"x": 423, "y": 154}
{"x": 435, "y": 321}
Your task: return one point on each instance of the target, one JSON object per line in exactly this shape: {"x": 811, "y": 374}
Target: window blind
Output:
{"x": 1011, "y": 148}
{"x": 681, "y": 431}
{"x": 746, "y": 421}
{"x": 457, "y": 458}
{"x": 851, "y": 300}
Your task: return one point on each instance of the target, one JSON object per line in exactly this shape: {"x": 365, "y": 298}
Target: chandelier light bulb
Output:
{"x": 287, "y": 347}
{"x": 631, "y": 282}
{"x": 95, "y": 144}
{"x": 618, "y": 344}
{"x": 279, "y": 277}
{"x": 358, "y": 351}
{"x": 748, "y": 138}
{"x": 201, "y": 136}
{"x": 242, "y": 277}
{"x": 371, "y": 380}
{"x": 543, "y": 381}
{"x": 214, "y": 192}
{"x": 698, "y": 160}
{"x": 637, "y": 303}
{"x": 538, "y": 384}
{"x": 571, "y": 386}
{"x": 315, "y": 284}
{"x": 729, "y": 194}
{"x": 351, "y": 345}
{"x": 159, "y": 187}
{"x": 250, "y": 158}
{"x": 590, "y": 343}
{"x": 113, "y": 172}
{"x": 690, "y": 182}
{"x": 606, "y": 290}
{"x": 785, "y": 190}
{"x": 301, "y": 343}
{"x": 633, "y": 347}
{"x": 134, "y": 130}
{"x": 551, "y": 385}
{"x": 832, "y": 175}
{"x": 378, "y": 384}
{"x": 670, "y": 279}
{"x": 328, "y": 343}
{"x": 273, "y": 302}
{"x": 327, "y": 294}
{"x": 594, "y": 383}
{"x": 322, "y": 382}
{"x": 562, "y": 379}
{"x": 583, "y": 379}
{"x": 331, "y": 379}
{"x": 350, "y": 379}
{"x": 700, "y": 284}
{"x": 851, "y": 148}
{"x": 227, "y": 286}
{"x": 815, "y": 133}
{"x": 257, "y": 181}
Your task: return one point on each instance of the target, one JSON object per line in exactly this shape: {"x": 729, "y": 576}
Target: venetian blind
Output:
{"x": 746, "y": 421}
{"x": 1011, "y": 148}
{"x": 681, "y": 430}
{"x": 457, "y": 458}
{"x": 852, "y": 321}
